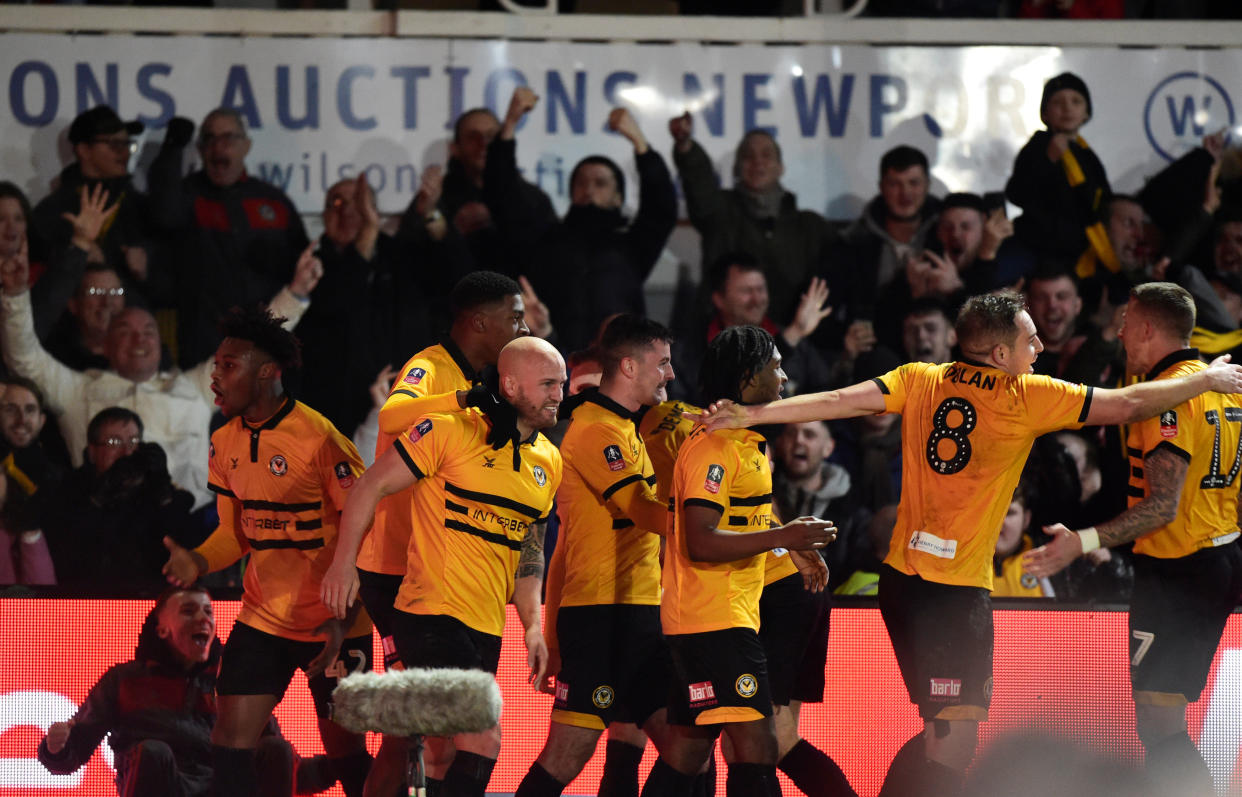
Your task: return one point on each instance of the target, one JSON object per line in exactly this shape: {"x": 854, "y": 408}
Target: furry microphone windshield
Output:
{"x": 440, "y": 702}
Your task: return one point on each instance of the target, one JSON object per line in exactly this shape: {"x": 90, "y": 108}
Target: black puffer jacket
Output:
{"x": 593, "y": 263}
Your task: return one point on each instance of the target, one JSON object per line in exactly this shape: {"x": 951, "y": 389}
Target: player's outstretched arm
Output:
{"x": 1148, "y": 399}
{"x": 1164, "y": 472}
{"x": 404, "y": 409}
{"x": 388, "y": 475}
{"x": 863, "y": 398}
{"x": 707, "y": 543}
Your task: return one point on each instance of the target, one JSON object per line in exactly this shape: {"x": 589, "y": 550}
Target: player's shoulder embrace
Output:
{"x": 700, "y": 439}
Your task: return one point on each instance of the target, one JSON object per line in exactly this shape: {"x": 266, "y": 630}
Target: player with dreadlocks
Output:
{"x": 713, "y": 576}
{"x": 281, "y": 472}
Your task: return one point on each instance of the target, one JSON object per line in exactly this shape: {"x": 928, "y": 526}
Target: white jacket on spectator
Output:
{"x": 175, "y": 406}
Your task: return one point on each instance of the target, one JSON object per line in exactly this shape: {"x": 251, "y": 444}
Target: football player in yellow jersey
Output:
{"x": 662, "y": 428}
{"x": 281, "y": 473}
{"x": 477, "y": 539}
{"x": 487, "y": 311}
{"x": 713, "y": 576}
{"x": 1183, "y": 519}
{"x": 967, "y": 428}
{"x": 614, "y": 664}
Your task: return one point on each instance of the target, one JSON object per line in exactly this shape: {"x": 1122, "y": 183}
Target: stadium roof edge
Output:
{"x": 827, "y": 29}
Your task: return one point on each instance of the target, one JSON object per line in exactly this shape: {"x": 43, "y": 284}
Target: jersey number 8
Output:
{"x": 959, "y": 435}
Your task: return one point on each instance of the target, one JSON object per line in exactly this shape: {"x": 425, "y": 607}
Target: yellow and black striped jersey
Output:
{"x": 280, "y": 489}
{"x": 436, "y": 371}
{"x": 608, "y": 558}
{"x": 470, "y": 511}
{"x": 727, "y": 471}
{"x": 1206, "y": 432}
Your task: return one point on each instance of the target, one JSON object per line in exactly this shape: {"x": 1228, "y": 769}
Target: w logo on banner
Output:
{"x": 1182, "y": 109}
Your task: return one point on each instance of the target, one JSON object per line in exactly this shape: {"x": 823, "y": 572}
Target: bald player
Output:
{"x": 967, "y": 428}
{"x": 485, "y": 486}
{"x": 487, "y": 312}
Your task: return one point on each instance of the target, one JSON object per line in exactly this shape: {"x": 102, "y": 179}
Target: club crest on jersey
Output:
{"x": 541, "y": 478}
{"x": 267, "y": 213}
{"x": 747, "y": 685}
{"x": 421, "y": 428}
{"x": 415, "y": 376}
{"x": 715, "y": 475}
{"x": 1168, "y": 424}
{"x": 614, "y": 458}
{"x": 602, "y": 696}
{"x": 344, "y": 474}
{"x": 278, "y": 466}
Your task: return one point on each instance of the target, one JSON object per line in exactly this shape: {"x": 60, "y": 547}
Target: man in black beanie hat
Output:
{"x": 1058, "y": 181}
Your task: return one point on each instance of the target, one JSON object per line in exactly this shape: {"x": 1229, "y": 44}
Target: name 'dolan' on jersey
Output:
{"x": 970, "y": 376}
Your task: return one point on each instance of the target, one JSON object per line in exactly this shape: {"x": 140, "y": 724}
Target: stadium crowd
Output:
{"x": 482, "y": 297}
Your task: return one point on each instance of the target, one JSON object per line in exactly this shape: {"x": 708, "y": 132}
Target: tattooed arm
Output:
{"x": 526, "y": 599}
{"x": 1164, "y": 472}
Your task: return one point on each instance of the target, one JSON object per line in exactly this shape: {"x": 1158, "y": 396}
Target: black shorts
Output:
{"x": 793, "y": 627}
{"x": 942, "y": 637}
{"x": 1177, "y": 615}
{"x": 718, "y": 677}
{"x": 259, "y": 663}
{"x": 614, "y": 665}
{"x": 438, "y": 640}
{"x": 378, "y": 593}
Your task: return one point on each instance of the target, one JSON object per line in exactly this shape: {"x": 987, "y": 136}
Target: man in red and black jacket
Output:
{"x": 238, "y": 238}
{"x": 160, "y": 709}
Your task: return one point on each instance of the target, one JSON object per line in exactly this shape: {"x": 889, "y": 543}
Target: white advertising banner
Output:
{"x": 321, "y": 110}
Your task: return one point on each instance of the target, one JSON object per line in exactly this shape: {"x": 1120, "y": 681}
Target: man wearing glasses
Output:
{"x": 102, "y": 147}
{"x": 105, "y": 527}
{"x": 79, "y": 337}
{"x": 237, "y": 239}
